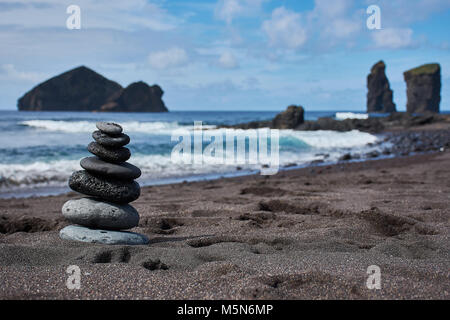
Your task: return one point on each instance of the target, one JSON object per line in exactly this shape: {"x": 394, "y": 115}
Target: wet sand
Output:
{"x": 302, "y": 234}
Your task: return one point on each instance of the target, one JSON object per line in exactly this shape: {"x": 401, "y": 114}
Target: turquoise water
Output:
{"x": 39, "y": 150}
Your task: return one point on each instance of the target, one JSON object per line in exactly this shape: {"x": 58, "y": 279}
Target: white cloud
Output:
{"x": 227, "y": 10}
{"x": 343, "y": 28}
{"x": 329, "y": 24}
{"x": 334, "y": 20}
{"x": 228, "y": 61}
{"x": 11, "y": 73}
{"x": 250, "y": 83}
{"x": 400, "y": 13}
{"x": 107, "y": 14}
{"x": 171, "y": 58}
{"x": 393, "y": 38}
{"x": 330, "y": 9}
{"x": 445, "y": 45}
{"x": 285, "y": 29}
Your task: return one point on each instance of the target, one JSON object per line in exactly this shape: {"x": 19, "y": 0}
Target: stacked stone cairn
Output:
{"x": 108, "y": 181}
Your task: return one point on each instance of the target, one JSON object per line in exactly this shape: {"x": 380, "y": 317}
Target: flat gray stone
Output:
{"x": 115, "y": 155}
{"x": 110, "y": 141}
{"x": 84, "y": 234}
{"x": 92, "y": 213}
{"x": 110, "y": 128}
{"x": 123, "y": 171}
{"x": 112, "y": 190}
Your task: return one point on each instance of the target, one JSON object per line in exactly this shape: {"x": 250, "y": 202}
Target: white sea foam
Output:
{"x": 38, "y": 173}
{"x": 351, "y": 115}
{"x": 62, "y": 126}
{"x": 57, "y": 172}
{"x": 326, "y": 139}
{"x": 321, "y": 138}
{"x": 300, "y": 147}
{"x": 157, "y": 127}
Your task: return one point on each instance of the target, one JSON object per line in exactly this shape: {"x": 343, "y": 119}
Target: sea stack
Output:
{"x": 108, "y": 182}
{"x": 423, "y": 88}
{"x": 379, "y": 95}
{"x": 83, "y": 89}
{"x": 291, "y": 118}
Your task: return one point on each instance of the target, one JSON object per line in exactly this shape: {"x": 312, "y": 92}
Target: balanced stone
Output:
{"x": 102, "y": 236}
{"x": 110, "y": 141}
{"x": 108, "y": 182}
{"x": 115, "y": 155}
{"x": 92, "y": 213}
{"x": 113, "y": 129}
{"x": 113, "y": 190}
{"x": 122, "y": 171}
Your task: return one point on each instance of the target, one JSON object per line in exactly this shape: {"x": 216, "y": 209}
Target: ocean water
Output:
{"x": 40, "y": 150}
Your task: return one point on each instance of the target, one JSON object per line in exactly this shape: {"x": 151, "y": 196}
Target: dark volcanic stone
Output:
{"x": 111, "y": 128}
{"x": 379, "y": 96}
{"x": 122, "y": 171}
{"x": 80, "y": 89}
{"x": 394, "y": 121}
{"x": 109, "y": 141}
{"x": 366, "y": 125}
{"x": 138, "y": 97}
{"x": 292, "y": 117}
{"x": 250, "y": 125}
{"x": 112, "y": 190}
{"x": 346, "y": 157}
{"x": 423, "y": 88}
{"x": 372, "y": 154}
{"x": 115, "y": 155}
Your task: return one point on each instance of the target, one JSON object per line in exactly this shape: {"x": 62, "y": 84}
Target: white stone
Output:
{"x": 79, "y": 233}
{"x": 93, "y": 213}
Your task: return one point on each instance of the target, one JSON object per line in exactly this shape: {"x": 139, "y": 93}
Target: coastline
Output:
{"x": 395, "y": 142}
{"x": 304, "y": 233}
{"x": 219, "y": 158}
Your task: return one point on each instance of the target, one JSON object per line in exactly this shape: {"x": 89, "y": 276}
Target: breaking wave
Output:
{"x": 87, "y": 126}
{"x": 298, "y": 147}
{"x": 351, "y": 115}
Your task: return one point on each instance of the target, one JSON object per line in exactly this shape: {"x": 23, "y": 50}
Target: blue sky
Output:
{"x": 227, "y": 54}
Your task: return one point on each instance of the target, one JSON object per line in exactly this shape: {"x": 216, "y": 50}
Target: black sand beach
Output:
{"x": 348, "y": 101}
{"x": 302, "y": 234}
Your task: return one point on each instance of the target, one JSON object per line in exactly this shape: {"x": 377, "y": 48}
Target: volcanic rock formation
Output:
{"x": 423, "y": 88}
{"x": 379, "y": 96}
{"x": 82, "y": 89}
{"x": 292, "y": 117}
{"x": 137, "y": 97}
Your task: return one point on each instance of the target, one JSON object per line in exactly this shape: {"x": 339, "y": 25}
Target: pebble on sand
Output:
{"x": 116, "y": 191}
{"x": 110, "y": 182}
{"x": 102, "y": 236}
{"x": 113, "y": 155}
{"x": 122, "y": 171}
{"x": 110, "y": 128}
{"x": 92, "y": 213}
{"x": 110, "y": 141}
